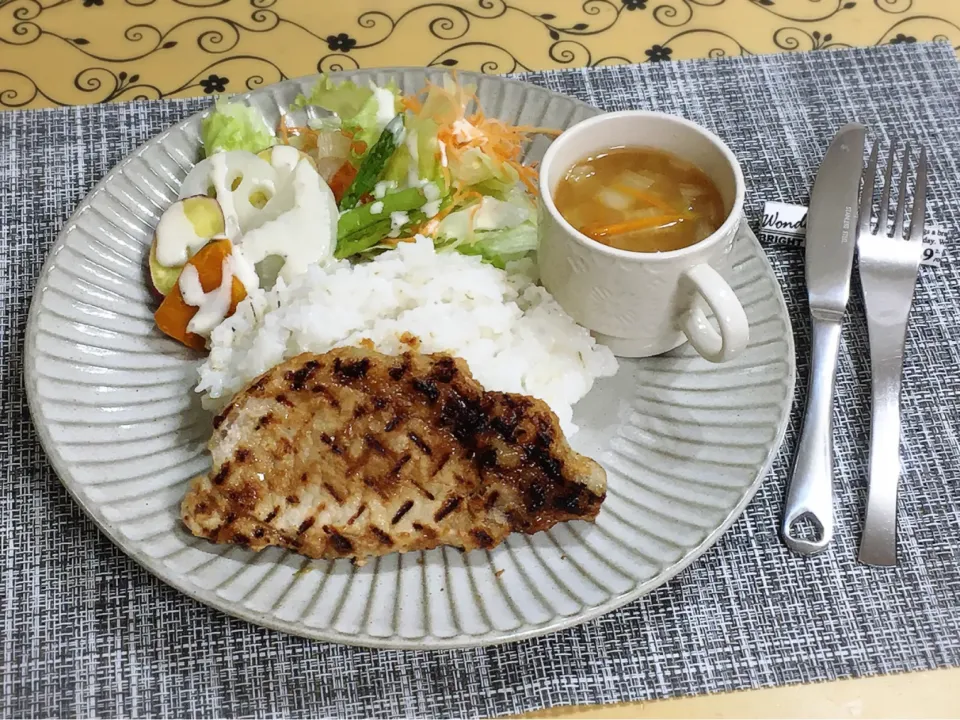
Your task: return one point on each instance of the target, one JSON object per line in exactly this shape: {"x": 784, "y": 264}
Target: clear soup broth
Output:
{"x": 640, "y": 199}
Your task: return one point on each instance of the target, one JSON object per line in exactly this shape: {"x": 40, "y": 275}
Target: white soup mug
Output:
{"x": 642, "y": 303}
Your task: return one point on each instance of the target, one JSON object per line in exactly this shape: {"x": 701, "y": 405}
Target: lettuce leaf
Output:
{"x": 398, "y": 167}
{"x": 498, "y": 247}
{"x": 363, "y": 110}
{"x": 235, "y": 126}
{"x": 343, "y": 99}
{"x": 497, "y": 230}
{"x": 369, "y": 121}
{"x": 476, "y": 170}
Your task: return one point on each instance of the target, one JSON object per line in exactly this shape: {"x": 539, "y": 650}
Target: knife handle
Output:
{"x": 810, "y": 493}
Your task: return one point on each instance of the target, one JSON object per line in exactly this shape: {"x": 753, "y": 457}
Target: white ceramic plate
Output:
{"x": 685, "y": 443}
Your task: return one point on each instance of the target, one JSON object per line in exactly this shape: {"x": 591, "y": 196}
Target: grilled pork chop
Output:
{"x": 353, "y": 453}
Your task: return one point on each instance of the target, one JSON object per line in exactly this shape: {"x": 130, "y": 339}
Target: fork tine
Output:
{"x": 919, "y": 199}
{"x": 902, "y": 199}
{"x": 885, "y": 195}
{"x": 869, "y": 188}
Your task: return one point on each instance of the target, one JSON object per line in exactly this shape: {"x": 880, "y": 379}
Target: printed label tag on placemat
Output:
{"x": 786, "y": 224}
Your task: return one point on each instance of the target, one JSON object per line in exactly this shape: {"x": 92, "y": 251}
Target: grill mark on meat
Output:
{"x": 304, "y": 478}
{"x": 241, "y": 539}
{"x": 536, "y": 497}
{"x": 380, "y": 402}
{"x": 298, "y": 378}
{"x": 426, "y": 493}
{"x": 398, "y": 371}
{"x": 444, "y": 370}
{"x": 491, "y": 500}
{"x": 443, "y": 462}
{"x": 357, "y": 514}
{"x": 293, "y": 499}
{"x": 273, "y": 514}
{"x": 327, "y": 440}
{"x": 482, "y": 537}
{"x": 284, "y": 400}
{"x": 351, "y": 370}
{"x": 283, "y": 447}
{"x": 464, "y": 417}
{"x": 376, "y": 487}
{"x": 264, "y": 421}
{"x": 426, "y": 530}
{"x": 570, "y": 502}
{"x": 222, "y": 474}
{"x": 230, "y": 518}
{"x": 360, "y": 410}
{"x": 449, "y": 505}
{"x": 418, "y": 441}
{"x": 504, "y": 428}
{"x": 400, "y": 463}
{"x": 242, "y": 455}
{"x": 218, "y": 420}
{"x": 374, "y": 444}
{"x": 260, "y": 384}
{"x": 383, "y": 537}
{"x": 322, "y": 389}
{"x": 392, "y": 423}
{"x": 428, "y": 388}
{"x": 333, "y": 491}
{"x": 341, "y": 544}
{"x": 259, "y": 533}
{"x": 306, "y": 525}
{"x": 403, "y": 510}
{"x": 486, "y": 458}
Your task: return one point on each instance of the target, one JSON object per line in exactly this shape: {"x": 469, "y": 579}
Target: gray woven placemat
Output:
{"x": 85, "y": 631}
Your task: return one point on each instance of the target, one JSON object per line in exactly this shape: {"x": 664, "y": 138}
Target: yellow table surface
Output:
{"x": 70, "y": 52}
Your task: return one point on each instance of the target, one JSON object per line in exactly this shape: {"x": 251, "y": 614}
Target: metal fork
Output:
{"x": 889, "y": 264}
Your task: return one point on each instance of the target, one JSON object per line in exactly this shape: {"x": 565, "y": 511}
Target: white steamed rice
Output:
{"x": 512, "y": 333}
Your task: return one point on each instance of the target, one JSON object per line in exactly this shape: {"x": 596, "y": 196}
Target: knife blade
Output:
{"x": 831, "y": 242}
{"x": 832, "y": 221}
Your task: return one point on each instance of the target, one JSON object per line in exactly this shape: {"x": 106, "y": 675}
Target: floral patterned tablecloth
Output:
{"x": 71, "y": 52}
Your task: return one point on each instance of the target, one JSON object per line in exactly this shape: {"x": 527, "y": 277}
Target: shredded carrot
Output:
{"x": 412, "y": 103}
{"x": 429, "y": 227}
{"x": 393, "y": 242}
{"x": 306, "y": 134}
{"x": 532, "y": 130}
{"x": 647, "y": 197}
{"x": 472, "y": 215}
{"x": 597, "y": 230}
{"x": 500, "y": 142}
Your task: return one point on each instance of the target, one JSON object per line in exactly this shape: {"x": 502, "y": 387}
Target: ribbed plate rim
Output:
{"x": 156, "y": 567}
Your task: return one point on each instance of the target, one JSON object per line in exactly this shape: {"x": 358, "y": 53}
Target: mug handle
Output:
{"x": 734, "y": 331}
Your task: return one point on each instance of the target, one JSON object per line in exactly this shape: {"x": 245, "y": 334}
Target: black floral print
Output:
{"x": 214, "y": 84}
{"x": 341, "y": 42}
{"x": 634, "y": 4}
{"x": 901, "y": 38}
{"x": 659, "y": 53}
{"x": 91, "y": 3}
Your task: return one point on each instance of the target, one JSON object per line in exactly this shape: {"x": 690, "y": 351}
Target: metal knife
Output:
{"x": 831, "y": 241}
